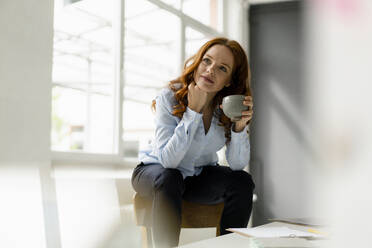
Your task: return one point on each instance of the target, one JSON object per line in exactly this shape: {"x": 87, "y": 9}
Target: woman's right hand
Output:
{"x": 196, "y": 98}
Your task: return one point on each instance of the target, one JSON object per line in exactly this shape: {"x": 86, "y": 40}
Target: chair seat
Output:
{"x": 194, "y": 215}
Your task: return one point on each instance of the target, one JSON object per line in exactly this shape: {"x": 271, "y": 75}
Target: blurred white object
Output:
{"x": 339, "y": 83}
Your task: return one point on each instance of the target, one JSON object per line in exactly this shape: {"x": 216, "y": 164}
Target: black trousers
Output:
{"x": 215, "y": 184}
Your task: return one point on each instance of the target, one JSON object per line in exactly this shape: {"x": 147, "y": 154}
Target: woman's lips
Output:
{"x": 207, "y": 79}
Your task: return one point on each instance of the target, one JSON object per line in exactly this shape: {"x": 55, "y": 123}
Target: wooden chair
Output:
{"x": 194, "y": 215}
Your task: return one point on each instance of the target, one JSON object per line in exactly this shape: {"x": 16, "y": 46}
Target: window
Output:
{"x": 194, "y": 40}
{"x": 90, "y": 115}
{"x": 83, "y": 78}
{"x": 151, "y": 59}
{"x": 209, "y": 12}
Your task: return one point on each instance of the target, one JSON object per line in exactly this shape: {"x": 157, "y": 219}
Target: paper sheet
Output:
{"x": 273, "y": 232}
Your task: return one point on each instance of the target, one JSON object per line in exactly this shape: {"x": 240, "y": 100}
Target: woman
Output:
{"x": 181, "y": 163}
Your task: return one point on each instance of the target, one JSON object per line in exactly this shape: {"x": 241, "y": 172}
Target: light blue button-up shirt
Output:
{"x": 183, "y": 144}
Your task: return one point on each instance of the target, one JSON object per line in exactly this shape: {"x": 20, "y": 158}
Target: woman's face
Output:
{"x": 215, "y": 69}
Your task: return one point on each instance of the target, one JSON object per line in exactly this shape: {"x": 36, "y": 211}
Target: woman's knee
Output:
{"x": 169, "y": 180}
{"x": 243, "y": 180}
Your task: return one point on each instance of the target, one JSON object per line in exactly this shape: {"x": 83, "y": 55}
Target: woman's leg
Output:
{"x": 165, "y": 187}
{"x": 220, "y": 183}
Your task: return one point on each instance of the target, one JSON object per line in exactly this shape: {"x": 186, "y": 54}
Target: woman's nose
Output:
{"x": 210, "y": 69}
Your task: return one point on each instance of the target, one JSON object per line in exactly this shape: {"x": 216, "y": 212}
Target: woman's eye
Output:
{"x": 222, "y": 68}
{"x": 206, "y": 60}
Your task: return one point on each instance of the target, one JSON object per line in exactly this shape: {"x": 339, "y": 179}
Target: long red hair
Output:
{"x": 240, "y": 80}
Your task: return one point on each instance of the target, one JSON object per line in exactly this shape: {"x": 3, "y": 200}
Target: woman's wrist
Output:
{"x": 197, "y": 109}
{"x": 238, "y": 126}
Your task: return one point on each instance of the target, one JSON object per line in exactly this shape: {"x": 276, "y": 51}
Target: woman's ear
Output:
{"x": 227, "y": 85}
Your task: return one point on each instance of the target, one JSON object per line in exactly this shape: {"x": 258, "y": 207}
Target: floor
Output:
{"x": 94, "y": 210}
{"x": 97, "y": 211}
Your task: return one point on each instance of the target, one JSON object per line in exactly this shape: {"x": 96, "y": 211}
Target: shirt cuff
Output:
{"x": 190, "y": 115}
{"x": 241, "y": 134}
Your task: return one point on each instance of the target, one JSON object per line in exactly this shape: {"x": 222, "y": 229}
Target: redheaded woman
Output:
{"x": 181, "y": 162}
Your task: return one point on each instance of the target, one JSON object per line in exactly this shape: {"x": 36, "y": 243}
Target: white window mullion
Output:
{"x": 182, "y": 41}
{"x": 87, "y": 125}
{"x": 182, "y": 45}
{"x": 119, "y": 78}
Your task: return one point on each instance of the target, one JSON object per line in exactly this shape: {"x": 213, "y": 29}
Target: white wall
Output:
{"x": 28, "y": 209}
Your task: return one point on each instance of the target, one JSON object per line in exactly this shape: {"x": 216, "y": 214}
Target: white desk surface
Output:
{"x": 234, "y": 240}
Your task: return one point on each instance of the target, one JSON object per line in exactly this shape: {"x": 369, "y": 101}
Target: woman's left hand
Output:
{"x": 246, "y": 115}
